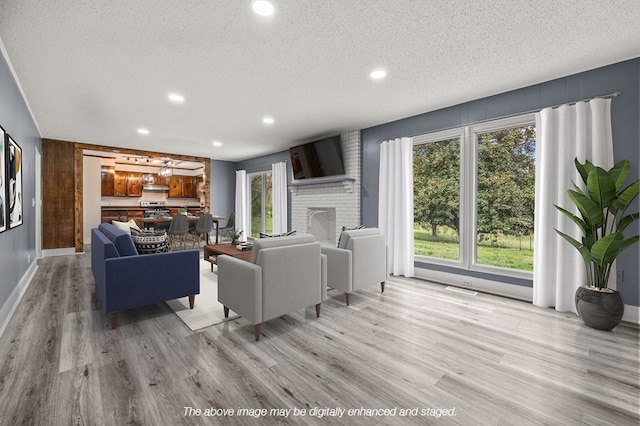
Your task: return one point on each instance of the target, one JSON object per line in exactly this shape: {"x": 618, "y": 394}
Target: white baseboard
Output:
{"x": 477, "y": 284}
{"x": 631, "y": 313}
{"x": 9, "y": 307}
{"x": 58, "y": 252}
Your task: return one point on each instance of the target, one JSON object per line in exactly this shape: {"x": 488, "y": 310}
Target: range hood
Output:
{"x": 154, "y": 187}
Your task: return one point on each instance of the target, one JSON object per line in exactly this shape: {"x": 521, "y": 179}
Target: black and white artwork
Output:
{"x": 14, "y": 182}
{"x": 3, "y": 178}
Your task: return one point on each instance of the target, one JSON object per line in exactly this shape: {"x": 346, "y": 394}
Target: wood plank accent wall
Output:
{"x": 62, "y": 189}
{"x": 59, "y": 209}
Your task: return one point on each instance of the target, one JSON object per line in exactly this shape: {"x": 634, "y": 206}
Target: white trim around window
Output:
{"x": 468, "y": 184}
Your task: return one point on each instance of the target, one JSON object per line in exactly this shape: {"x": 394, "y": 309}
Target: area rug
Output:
{"x": 207, "y": 311}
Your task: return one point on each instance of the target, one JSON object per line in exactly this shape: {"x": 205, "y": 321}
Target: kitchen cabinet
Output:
{"x": 189, "y": 187}
{"x": 107, "y": 181}
{"x": 175, "y": 186}
{"x": 122, "y": 215}
{"x": 183, "y": 187}
{"x": 120, "y": 184}
{"x": 134, "y": 185}
{"x": 127, "y": 184}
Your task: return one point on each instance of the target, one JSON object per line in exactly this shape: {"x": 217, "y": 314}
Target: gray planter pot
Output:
{"x": 599, "y": 310}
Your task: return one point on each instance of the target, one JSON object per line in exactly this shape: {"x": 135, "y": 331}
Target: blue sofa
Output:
{"x": 124, "y": 279}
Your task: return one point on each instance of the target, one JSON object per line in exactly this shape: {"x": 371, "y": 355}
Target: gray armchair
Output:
{"x": 359, "y": 261}
{"x": 285, "y": 274}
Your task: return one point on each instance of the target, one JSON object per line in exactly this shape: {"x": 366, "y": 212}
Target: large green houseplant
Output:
{"x": 602, "y": 219}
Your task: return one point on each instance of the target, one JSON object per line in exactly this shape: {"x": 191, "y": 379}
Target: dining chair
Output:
{"x": 178, "y": 229}
{"x": 231, "y": 223}
{"x": 203, "y": 228}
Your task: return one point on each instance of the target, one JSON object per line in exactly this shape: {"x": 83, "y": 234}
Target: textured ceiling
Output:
{"x": 95, "y": 71}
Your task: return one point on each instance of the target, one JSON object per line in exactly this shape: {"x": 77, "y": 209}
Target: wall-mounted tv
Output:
{"x": 317, "y": 159}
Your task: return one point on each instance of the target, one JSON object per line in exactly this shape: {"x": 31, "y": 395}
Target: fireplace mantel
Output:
{"x": 345, "y": 181}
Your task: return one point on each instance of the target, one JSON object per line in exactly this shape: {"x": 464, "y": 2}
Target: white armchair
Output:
{"x": 285, "y": 274}
{"x": 359, "y": 261}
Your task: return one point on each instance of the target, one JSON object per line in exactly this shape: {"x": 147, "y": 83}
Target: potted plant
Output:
{"x": 234, "y": 235}
{"x": 602, "y": 218}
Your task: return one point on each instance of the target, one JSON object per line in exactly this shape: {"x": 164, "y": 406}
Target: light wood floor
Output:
{"x": 494, "y": 360}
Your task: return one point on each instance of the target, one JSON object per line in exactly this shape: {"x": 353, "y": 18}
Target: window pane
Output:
{"x": 268, "y": 208}
{"x": 436, "y": 199}
{"x": 261, "y": 204}
{"x": 505, "y": 198}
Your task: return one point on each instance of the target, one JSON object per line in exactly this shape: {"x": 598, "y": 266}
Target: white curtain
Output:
{"x": 582, "y": 130}
{"x": 395, "y": 203}
{"x": 279, "y": 185}
{"x": 243, "y": 214}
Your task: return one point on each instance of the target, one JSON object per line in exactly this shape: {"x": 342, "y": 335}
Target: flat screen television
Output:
{"x": 317, "y": 159}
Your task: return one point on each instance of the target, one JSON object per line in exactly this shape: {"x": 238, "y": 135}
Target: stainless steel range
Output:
{"x": 155, "y": 209}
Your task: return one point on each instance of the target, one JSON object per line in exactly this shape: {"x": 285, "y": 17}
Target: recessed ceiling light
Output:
{"x": 268, "y": 120}
{"x": 176, "y": 97}
{"x": 217, "y": 143}
{"x": 262, "y": 7}
{"x": 378, "y": 74}
{"x": 143, "y": 131}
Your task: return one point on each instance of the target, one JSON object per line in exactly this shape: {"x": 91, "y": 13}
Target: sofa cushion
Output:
{"x": 121, "y": 239}
{"x": 262, "y": 243}
{"x": 148, "y": 242}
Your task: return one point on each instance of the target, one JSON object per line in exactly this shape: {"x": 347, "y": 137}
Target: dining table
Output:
{"x": 152, "y": 221}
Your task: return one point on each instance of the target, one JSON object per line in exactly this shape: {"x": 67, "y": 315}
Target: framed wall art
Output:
{"x": 14, "y": 182}
{"x": 3, "y": 178}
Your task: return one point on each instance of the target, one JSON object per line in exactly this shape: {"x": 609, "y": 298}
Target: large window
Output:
{"x": 474, "y": 196}
{"x": 261, "y": 203}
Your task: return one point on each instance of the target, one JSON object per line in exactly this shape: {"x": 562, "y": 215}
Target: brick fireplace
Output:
{"x": 323, "y": 206}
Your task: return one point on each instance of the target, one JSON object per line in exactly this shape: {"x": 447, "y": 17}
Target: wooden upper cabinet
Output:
{"x": 160, "y": 180}
{"x": 175, "y": 186}
{"x": 134, "y": 185}
{"x": 107, "y": 180}
{"x": 189, "y": 187}
{"x": 120, "y": 184}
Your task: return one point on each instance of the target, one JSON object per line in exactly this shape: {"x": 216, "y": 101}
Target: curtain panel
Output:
{"x": 279, "y": 182}
{"x": 243, "y": 214}
{"x": 395, "y": 203}
{"x": 582, "y": 130}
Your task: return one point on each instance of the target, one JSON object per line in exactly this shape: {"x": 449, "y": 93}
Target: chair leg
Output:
{"x": 318, "y": 310}
{"x": 114, "y": 320}
{"x": 192, "y": 301}
{"x": 346, "y": 295}
{"x": 382, "y": 286}
{"x": 256, "y": 331}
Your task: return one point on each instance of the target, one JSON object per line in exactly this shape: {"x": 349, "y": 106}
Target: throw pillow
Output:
{"x": 125, "y": 226}
{"x": 345, "y": 228}
{"x": 148, "y": 242}
{"x": 284, "y": 234}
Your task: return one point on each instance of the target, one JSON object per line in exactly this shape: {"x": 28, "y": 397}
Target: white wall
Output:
{"x": 91, "y": 196}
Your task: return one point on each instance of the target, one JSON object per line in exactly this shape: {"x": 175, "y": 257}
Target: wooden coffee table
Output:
{"x": 217, "y": 249}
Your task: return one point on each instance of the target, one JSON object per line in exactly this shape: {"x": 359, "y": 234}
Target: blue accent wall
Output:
{"x": 17, "y": 245}
{"x": 625, "y": 111}
{"x": 223, "y": 188}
